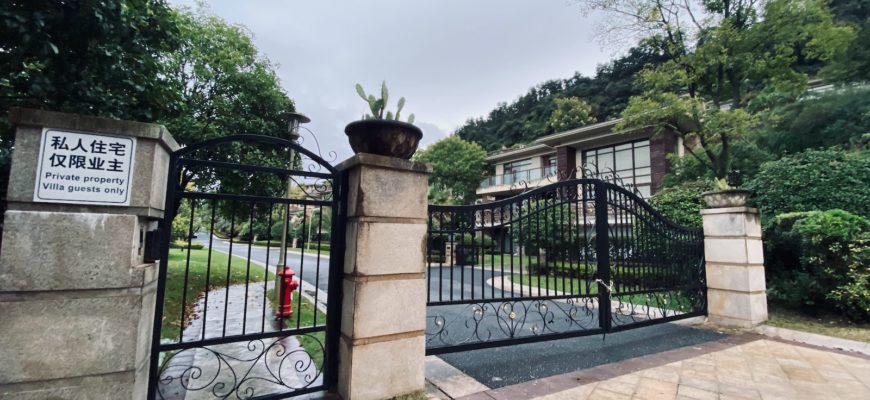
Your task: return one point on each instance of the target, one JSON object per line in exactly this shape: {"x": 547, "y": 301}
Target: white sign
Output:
{"x": 84, "y": 168}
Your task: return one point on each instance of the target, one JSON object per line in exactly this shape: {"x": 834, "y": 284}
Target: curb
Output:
{"x": 814, "y": 339}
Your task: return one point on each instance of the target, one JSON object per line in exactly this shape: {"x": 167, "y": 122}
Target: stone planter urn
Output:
{"x": 726, "y": 198}
{"x": 384, "y": 137}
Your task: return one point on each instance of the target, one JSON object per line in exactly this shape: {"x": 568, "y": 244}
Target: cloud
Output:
{"x": 451, "y": 59}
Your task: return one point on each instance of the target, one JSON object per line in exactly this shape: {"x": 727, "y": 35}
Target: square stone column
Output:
{"x": 382, "y": 345}
{"x": 76, "y": 295}
{"x": 734, "y": 254}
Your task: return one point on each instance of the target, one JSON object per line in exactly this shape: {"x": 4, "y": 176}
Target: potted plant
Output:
{"x": 728, "y": 193}
{"x": 383, "y": 133}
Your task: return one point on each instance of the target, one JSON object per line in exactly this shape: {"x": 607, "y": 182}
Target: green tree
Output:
{"x": 457, "y": 168}
{"x": 90, "y": 57}
{"x": 728, "y": 58}
{"x": 570, "y": 113}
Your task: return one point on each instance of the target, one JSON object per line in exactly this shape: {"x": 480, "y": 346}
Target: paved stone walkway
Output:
{"x": 258, "y": 367}
{"x": 744, "y": 366}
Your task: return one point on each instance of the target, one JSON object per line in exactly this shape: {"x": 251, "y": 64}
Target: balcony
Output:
{"x": 515, "y": 181}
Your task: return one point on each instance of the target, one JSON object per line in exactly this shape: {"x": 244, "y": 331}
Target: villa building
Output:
{"x": 634, "y": 159}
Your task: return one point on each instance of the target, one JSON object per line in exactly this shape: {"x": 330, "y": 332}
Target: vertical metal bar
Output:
{"x": 443, "y": 256}
{"x": 166, "y": 234}
{"x": 602, "y": 252}
{"x": 186, "y": 270}
{"x": 208, "y": 267}
{"x": 229, "y": 267}
{"x": 302, "y": 264}
{"x": 336, "y": 270}
{"x": 317, "y": 267}
{"x": 521, "y": 243}
{"x": 473, "y": 250}
{"x": 429, "y": 259}
{"x": 266, "y": 278}
{"x": 248, "y": 269}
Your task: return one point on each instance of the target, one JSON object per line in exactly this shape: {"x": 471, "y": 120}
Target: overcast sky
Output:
{"x": 451, "y": 59}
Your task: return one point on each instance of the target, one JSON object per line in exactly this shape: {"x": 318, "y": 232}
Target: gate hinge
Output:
{"x": 151, "y": 252}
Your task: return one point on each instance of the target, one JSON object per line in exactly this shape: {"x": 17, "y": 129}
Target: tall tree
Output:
{"x": 457, "y": 168}
{"x": 570, "y": 113}
{"x": 728, "y": 58}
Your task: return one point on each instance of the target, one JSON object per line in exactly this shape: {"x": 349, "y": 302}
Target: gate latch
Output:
{"x": 606, "y": 286}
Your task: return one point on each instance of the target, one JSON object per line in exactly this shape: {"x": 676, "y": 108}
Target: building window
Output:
{"x": 513, "y": 171}
{"x": 628, "y": 164}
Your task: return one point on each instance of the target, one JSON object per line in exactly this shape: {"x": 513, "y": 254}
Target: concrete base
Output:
{"x": 382, "y": 370}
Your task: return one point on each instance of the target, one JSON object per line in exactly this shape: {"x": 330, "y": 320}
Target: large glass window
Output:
{"x": 628, "y": 164}
{"x": 513, "y": 170}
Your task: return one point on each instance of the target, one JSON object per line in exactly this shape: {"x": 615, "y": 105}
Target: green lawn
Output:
{"x": 313, "y": 343}
{"x": 830, "y": 325}
{"x": 196, "y": 281}
{"x": 579, "y": 288}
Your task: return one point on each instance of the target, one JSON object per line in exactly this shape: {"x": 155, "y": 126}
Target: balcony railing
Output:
{"x": 528, "y": 175}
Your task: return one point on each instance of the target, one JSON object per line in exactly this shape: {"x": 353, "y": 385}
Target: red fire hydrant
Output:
{"x": 285, "y": 297}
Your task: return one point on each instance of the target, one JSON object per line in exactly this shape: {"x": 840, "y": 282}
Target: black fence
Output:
{"x": 223, "y": 328}
{"x": 572, "y": 258}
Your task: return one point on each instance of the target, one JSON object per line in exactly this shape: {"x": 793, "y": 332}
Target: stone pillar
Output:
{"x": 76, "y": 296}
{"x": 382, "y": 345}
{"x": 735, "y": 267}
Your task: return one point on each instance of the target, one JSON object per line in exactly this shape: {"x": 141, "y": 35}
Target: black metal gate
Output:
{"x": 573, "y": 258}
{"x": 216, "y": 331}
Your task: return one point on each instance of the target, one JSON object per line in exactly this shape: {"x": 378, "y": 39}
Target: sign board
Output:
{"x": 84, "y": 168}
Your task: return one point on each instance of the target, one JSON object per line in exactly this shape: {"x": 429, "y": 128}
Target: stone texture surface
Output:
{"x": 385, "y": 248}
{"x": 51, "y": 339}
{"x": 761, "y": 369}
{"x": 735, "y": 267}
{"x": 63, "y": 251}
{"x": 736, "y": 277}
{"x": 381, "y": 370}
{"x": 148, "y": 184}
{"x": 103, "y": 387}
{"x": 383, "y": 307}
{"x": 734, "y": 250}
{"x": 375, "y": 191}
{"x": 740, "y": 309}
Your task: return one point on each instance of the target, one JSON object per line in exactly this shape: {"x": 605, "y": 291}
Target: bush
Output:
{"x": 820, "y": 259}
{"x": 682, "y": 204}
{"x": 181, "y": 244}
{"x": 814, "y": 180}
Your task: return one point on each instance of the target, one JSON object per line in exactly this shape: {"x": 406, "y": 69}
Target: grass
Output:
{"x": 196, "y": 280}
{"x": 580, "y": 289}
{"x": 829, "y": 325}
{"x": 313, "y": 343}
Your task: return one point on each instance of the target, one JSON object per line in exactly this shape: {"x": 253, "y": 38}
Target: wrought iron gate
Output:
{"x": 573, "y": 258}
{"x": 216, "y": 334}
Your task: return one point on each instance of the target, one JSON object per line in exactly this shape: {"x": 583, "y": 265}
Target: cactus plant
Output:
{"x": 378, "y": 105}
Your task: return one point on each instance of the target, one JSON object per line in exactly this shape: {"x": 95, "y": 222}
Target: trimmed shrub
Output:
{"x": 820, "y": 259}
{"x": 682, "y": 204}
{"x": 814, "y": 180}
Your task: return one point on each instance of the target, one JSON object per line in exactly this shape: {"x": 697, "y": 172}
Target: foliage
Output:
{"x": 528, "y": 117}
{"x": 457, "y": 166}
{"x": 544, "y": 224}
{"x": 702, "y": 94}
{"x": 854, "y": 64}
{"x": 181, "y": 224}
{"x": 570, "y": 113}
{"x": 820, "y": 120}
{"x": 379, "y": 105}
{"x": 820, "y": 259}
{"x": 814, "y": 180}
{"x": 682, "y": 204}
{"x": 89, "y": 57}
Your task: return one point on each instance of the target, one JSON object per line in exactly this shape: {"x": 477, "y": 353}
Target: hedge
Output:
{"x": 820, "y": 260}
{"x": 813, "y": 180}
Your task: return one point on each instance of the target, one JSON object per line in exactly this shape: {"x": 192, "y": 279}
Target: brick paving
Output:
{"x": 744, "y": 366}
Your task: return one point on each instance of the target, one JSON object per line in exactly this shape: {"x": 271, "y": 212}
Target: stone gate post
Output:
{"x": 735, "y": 267}
{"x": 382, "y": 347}
{"x": 76, "y": 294}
